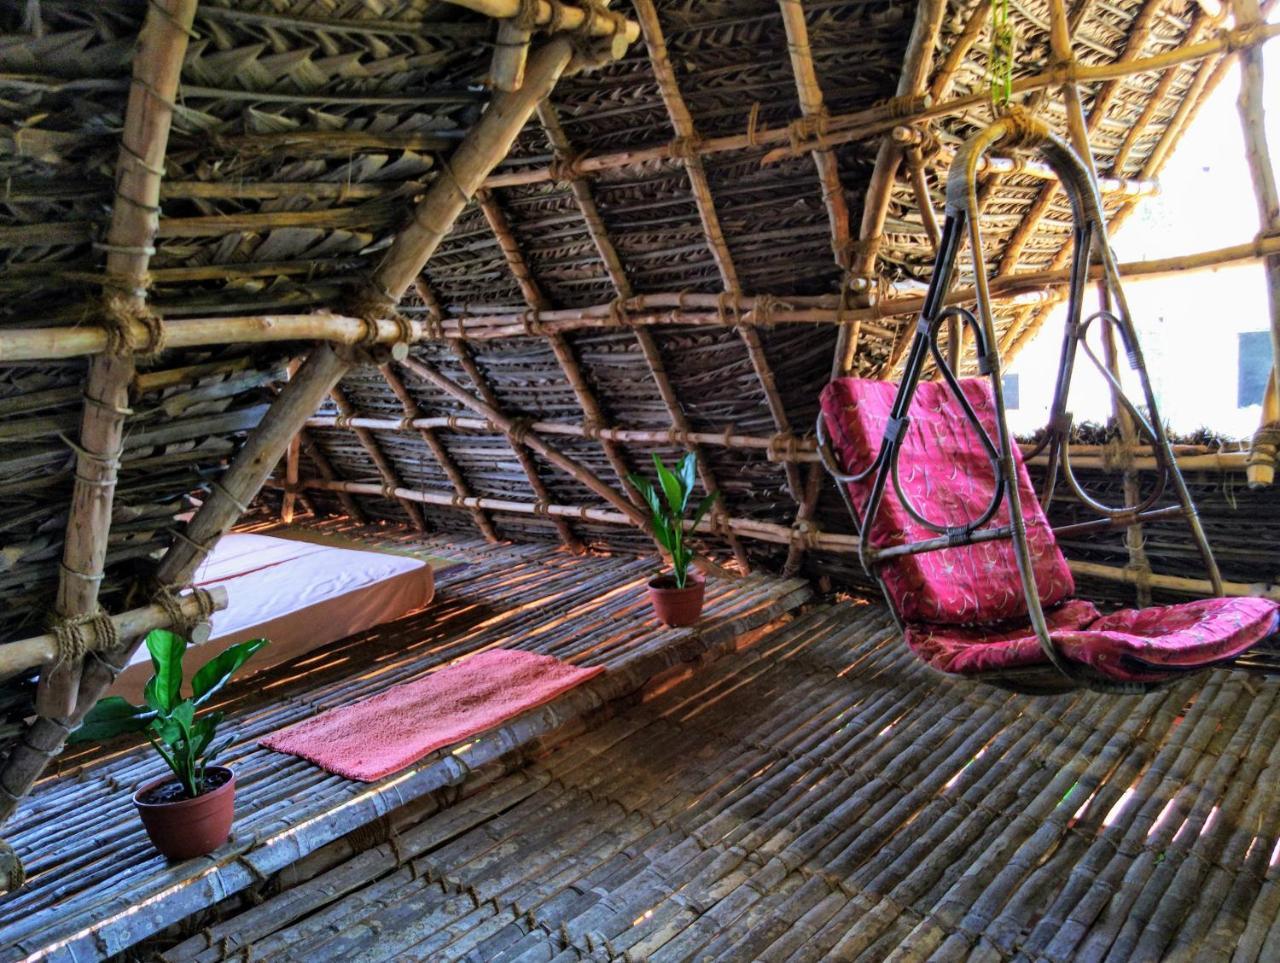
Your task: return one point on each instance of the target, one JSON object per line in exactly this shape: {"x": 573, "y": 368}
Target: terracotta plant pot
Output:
{"x": 187, "y": 828}
{"x": 677, "y": 606}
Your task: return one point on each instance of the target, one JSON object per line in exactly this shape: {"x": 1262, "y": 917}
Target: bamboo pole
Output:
{"x": 1251, "y": 105}
{"x": 486, "y": 143}
{"x": 135, "y": 217}
{"x": 438, "y": 451}
{"x": 56, "y": 343}
{"x": 16, "y": 657}
{"x": 291, "y": 457}
{"x": 644, "y": 338}
{"x": 390, "y": 478}
{"x": 598, "y": 22}
{"x": 687, "y": 135}
{"x": 1173, "y": 583}
{"x": 809, "y": 93}
{"x": 327, "y": 472}
{"x": 261, "y": 451}
{"x": 912, "y": 82}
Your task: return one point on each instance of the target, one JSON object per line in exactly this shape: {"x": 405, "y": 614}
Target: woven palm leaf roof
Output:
{"x": 302, "y": 133}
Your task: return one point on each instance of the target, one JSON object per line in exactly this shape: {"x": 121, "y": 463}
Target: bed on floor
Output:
{"x": 300, "y": 595}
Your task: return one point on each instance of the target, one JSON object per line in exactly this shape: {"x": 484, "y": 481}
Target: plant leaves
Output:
{"x": 671, "y": 487}
{"x": 167, "y": 649}
{"x": 111, "y": 717}
{"x": 687, "y": 470}
{"x": 213, "y": 675}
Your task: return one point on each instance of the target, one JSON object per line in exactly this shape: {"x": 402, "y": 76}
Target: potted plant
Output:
{"x": 677, "y": 598}
{"x": 188, "y": 813}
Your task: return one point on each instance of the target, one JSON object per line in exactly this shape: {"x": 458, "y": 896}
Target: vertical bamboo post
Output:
{"x": 135, "y": 218}
{"x": 1251, "y": 105}
{"x": 292, "y": 456}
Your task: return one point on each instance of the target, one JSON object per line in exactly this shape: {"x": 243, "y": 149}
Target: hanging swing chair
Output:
{"x": 949, "y": 523}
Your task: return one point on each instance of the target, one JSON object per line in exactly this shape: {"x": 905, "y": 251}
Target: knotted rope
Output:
{"x": 564, "y": 167}
{"x": 119, "y": 310}
{"x": 169, "y": 600}
{"x": 519, "y": 430}
{"x": 371, "y": 304}
{"x": 76, "y": 636}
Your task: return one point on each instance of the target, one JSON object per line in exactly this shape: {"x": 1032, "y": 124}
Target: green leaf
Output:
{"x": 203, "y": 731}
{"x": 175, "y": 729}
{"x": 167, "y": 649}
{"x": 650, "y": 496}
{"x": 704, "y": 506}
{"x": 111, "y": 717}
{"x": 687, "y": 470}
{"x": 213, "y": 675}
{"x": 672, "y": 488}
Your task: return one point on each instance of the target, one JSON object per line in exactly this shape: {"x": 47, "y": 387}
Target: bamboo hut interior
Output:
{"x": 426, "y": 284}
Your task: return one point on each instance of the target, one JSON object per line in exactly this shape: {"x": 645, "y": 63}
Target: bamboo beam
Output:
{"x": 135, "y": 217}
{"x": 945, "y": 75}
{"x": 1251, "y": 105}
{"x": 413, "y": 412}
{"x": 537, "y": 302}
{"x": 1174, "y": 583}
{"x": 17, "y": 657}
{"x": 328, "y": 473}
{"x": 527, "y": 464}
{"x": 488, "y": 141}
{"x": 648, "y": 344}
{"x": 744, "y": 527}
{"x": 687, "y": 134}
{"x": 387, "y": 471}
{"x": 809, "y": 93}
{"x": 292, "y": 456}
{"x": 860, "y": 125}
{"x": 599, "y": 23}
{"x": 912, "y": 82}
{"x": 261, "y": 451}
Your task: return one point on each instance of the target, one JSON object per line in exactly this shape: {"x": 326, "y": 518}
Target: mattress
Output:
{"x": 297, "y": 594}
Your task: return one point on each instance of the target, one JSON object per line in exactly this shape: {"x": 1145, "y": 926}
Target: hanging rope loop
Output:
{"x": 1000, "y": 59}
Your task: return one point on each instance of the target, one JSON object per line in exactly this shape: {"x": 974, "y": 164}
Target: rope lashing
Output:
{"x": 371, "y": 304}
{"x": 592, "y": 427}
{"x": 564, "y": 167}
{"x": 533, "y": 327}
{"x": 1000, "y": 57}
{"x": 764, "y": 308}
{"x": 119, "y": 310}
{"x": 809, "y": 128}
{"x": 199, "y": 548}
{"x": 76, "y": 636}
{"x": 519, "y": 430}
{"x": 685, "y": 149}
{"x": 526, "y": 17}
{"x": 618, "y": 315}
{"x": 170, "y": 600}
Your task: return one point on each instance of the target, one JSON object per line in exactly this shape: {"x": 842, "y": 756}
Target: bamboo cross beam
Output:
{"x": 596, "y": 21}
{"x": 774, "y": 447}
{"x": 16, "y": 657}
{"x": 431, "y": 439}
{"x": 386, "y": 470}
{"x": 860, "y": 125}
{"x": 135, "y": 218}
{"x": 648, "y": 344}
{"x": 687, "y": 134}
{"x": 809, "y": 94}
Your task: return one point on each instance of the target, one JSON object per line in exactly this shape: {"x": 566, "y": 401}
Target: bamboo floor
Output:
{"x": 819, "y": 795}
{"x": 96, "y": 887}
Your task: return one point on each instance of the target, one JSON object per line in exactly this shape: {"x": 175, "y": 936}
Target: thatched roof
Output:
{"x": 578, "y": 292}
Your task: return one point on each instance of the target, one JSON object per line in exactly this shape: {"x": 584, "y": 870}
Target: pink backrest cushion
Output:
{"x": 947, "y": 476}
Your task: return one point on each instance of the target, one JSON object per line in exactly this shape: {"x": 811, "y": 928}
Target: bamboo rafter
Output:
{"x": 390, "y": 478}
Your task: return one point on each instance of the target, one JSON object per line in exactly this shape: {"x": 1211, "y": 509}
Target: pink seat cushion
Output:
{"x": 946, "y": 474}
{"x": 1135, "y": 645}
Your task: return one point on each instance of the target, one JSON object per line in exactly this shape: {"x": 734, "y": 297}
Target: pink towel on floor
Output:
{"x": 394, "y": 729}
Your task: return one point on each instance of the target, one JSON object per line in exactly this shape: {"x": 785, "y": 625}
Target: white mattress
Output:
{"x": 297, "y": 594}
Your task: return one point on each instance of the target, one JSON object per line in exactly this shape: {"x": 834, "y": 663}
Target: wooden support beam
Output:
{"x": 912, "y": 82}
{"x": 687, "y": 135}
{"x": 812, "y": 106}
{"x": 438, "y": 451}
{"x": 135, "y": 218}
{"x": 387, "y": 471}
{"x": 600, "y": 23}
{"x": 327, "y": 472}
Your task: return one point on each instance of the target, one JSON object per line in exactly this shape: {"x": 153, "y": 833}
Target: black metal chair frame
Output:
{"x": 1090, "y": 245}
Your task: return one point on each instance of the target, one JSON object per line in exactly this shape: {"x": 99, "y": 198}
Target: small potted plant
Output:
{"x": 188, "y": 813}
{"x": 677, "y": 598}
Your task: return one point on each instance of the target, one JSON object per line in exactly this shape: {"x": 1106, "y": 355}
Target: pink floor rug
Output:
{"x": 394, "y": 729}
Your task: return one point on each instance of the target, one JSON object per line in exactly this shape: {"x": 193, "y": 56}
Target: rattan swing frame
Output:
{"x": 1089, "y": 244}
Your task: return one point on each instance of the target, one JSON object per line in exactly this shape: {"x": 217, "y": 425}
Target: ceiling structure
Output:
{"x": 687, "y": 237}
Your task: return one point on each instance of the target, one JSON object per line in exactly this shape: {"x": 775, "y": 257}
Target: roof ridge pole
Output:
{"x": 1060, "y": 33}
{"x": 1266, "y": 439}
{"x": 381, "y": 462}
{"x": 135, "y": 216}
{"x": 686, "y": 147}
{"x": 917, "y": 62}
{"x": 537, "y": 300}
